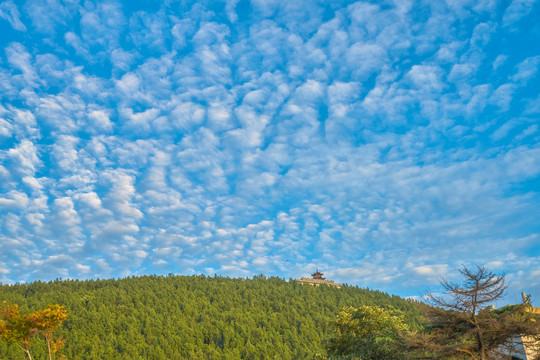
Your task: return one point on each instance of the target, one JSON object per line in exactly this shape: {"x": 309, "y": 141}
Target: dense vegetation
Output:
{"x": 195, "y": 317}
{"x": 368, "y": 332}
{"x": 461, "y": 324}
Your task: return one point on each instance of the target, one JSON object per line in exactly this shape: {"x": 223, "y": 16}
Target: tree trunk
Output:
{"x": 481, "y": 345}
{"x": 49, "y": 348}
{"x": 26, "y": 350}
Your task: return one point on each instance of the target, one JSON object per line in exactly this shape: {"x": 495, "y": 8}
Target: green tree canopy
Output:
{"x": 188, "y": 317}
{"x": 366, "y": 332}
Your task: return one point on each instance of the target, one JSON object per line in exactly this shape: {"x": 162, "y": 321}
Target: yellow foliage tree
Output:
{"x": 21, "y": 329}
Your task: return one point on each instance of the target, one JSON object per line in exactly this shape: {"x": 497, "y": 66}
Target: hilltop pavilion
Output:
{"x": 317, "y": 279}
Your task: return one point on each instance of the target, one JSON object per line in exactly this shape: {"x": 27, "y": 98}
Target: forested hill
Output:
{"x": 192, "y": 317}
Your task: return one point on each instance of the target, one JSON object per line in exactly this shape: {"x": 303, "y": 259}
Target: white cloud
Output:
{"x": 517, "y": 10}
{"x": 448, "y": 52}
{"x": 121, "y": 193}
{"x": 54, "y": 267}
{"x": 426, "y": 78}
{"x": 101, "y": 120}
{"x": 21, "y": 59}
{"x": 503, "y": 96}
{"x": 47, "y": 16}
{"x": 365, "y": 59}
{"x": 354, "y": 137}
{"x": 66, "y": 216}
{"x": 142, "y": 121}
{"x": 186, "y": 115}
{"x": 24, "y": 123}
{"x": 499, "y": 61}
{"x": 90, "y": 199}
{"x": 61, "y": 112}
{"x": 461, "y": 71}
{"x": 65, "y": 152}
{"x": 128, "y": 84}
{"x": 103, "y": 266}
{"x": 25, "y": 158}
{"x": 32, "y": 182}
{"x": 9, "y": 12}
{"x": 367, "y": 273}
{"x": 148, "y": 29}
{"x": 526, "y": 70}
{"x": 5, "y": 128}
{"x": 14, "y": 200}
{"x": 230, "y": 9}
{"x": 83, "y": 268}
{"x": 123, "y": 59}
{"x": 532, "y": 106}
{"x": 114, "y": 233}
{"x": 432, "y": 270}
{"x": 77, "y": 43}
{"x": 266, "y": 7}
{"x": 102, "y": 24}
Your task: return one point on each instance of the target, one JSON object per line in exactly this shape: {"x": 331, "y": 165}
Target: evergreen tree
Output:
{"x": 192, "y": 316}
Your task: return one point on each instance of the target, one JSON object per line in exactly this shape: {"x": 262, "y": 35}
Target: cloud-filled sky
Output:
{"x": 386, "y": 143}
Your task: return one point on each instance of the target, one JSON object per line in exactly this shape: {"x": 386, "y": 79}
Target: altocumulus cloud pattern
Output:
{"x": 386, "y": 142}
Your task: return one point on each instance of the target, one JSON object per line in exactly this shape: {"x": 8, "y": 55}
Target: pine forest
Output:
{"x": 193, "y": 317}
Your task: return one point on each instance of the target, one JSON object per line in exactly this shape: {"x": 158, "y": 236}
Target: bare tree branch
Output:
{"x": 463, "y": 320}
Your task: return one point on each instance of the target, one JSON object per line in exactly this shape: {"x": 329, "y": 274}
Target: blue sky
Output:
{"x": 386, "y": 143}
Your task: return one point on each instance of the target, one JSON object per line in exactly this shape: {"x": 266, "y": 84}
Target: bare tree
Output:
{"x": 464, "y": 324}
